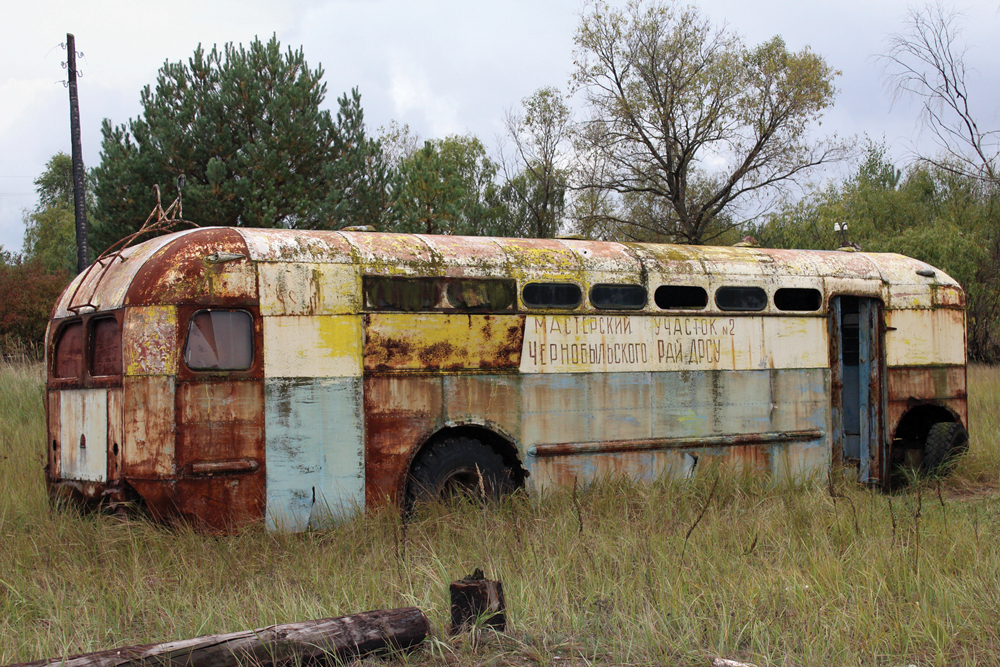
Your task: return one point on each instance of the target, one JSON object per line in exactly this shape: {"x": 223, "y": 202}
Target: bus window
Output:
{"x": 798, "y": 298}
{"x": 68, "y": 361}
{"x": 106, "y": 347}
{"x": 552, "y": 295}
{"x": 741, "y": 298}
{"x": 489, "y": 295}
{"x": 628, "y": 297}
{"x": 219, "y": 340}
{"x": 408, "y": 294}
{"x": 669, "y": 297}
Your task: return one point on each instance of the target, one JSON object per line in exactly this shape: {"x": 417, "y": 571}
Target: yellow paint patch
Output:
{"x": 318, "y": 346}
{"x": 150, "y": 340}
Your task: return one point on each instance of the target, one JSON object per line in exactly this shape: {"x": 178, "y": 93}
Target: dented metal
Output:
{"x": 350, "y": 379}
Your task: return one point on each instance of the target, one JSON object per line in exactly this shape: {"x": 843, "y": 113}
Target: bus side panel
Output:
{"x": 315, "y": 437}
{"x": 400, "y": 413}
{"x": 315, "y": 451}
{"x": 775, "y": 421}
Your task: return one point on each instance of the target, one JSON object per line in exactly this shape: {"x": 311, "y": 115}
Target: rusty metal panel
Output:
{"x": 309, "y": 289}
{"x": 948, "y": 296}
{"x": 317, "y": 346}
{"x": 467, "y": 256}
{"x": 219, "y": 420}
{"x": 397, "y": 341}
{"x": 83, "y": 435}
{"x": 314, "y": 451}
{"x": 297, "y": 245}
{"x": 106, "y": 284}
{"x": 926, "y": 383}
{"x": 490, "y": 400}
{"x": 394, "y": 254}
{"x": 542, "y": 259}
{"x": 800, "y": 399}
{"x": 182, "y": 272}
{"x": 151, "y": 340}
{"x": 116, "y": 432}
{"x": 150, "y": 422}
{"x": 400, "y": 413}
{"x": 802, "y": 460}
{"x": 53, "y": 441}
{"x": 925, "y": 337}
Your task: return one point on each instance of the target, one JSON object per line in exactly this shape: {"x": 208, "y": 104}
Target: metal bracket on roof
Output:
{"x": 159, "y": 220}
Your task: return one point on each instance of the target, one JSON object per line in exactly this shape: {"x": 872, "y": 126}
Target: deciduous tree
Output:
{"x": 687, "y": 121}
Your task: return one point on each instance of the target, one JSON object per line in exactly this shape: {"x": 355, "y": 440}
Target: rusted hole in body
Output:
{"x": 55, "y": 445}
{"x": 83, "y": 441}
{"x": 114, "y": 449}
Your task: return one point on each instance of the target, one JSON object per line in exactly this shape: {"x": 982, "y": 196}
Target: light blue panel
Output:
{"x": 702, "y": 403}
{"x": 801, "y": 399}
{"x": 314, "y": 452}
{"x": 585, "y": 407}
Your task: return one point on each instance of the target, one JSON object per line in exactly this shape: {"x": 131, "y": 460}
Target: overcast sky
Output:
{"x": 443, "y": 67}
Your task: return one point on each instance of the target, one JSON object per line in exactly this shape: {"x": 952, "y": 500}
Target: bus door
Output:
{"x": 857, "y": 386}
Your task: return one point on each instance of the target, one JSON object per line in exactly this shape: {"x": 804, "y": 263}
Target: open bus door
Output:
{"x": 857, "y": 361}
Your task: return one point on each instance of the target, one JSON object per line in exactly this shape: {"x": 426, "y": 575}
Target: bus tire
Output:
{"x": 458, "y": 466}
{"x": 944, "y": 441}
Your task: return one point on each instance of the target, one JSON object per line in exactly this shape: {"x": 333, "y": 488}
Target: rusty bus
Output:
{"x": 228, "y": 376}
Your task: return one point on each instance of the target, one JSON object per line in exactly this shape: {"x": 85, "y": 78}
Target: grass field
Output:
{"x": 784, "y": 574}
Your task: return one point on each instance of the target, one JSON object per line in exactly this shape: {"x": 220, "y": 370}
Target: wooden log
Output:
{"x": 477, "y": 598}
{"x": 324, "y": 640}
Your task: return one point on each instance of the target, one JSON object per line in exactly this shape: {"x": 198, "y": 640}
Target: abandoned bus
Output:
{"x": 227, "y": 376}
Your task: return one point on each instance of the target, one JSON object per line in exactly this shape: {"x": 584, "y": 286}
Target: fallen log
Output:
{"x": 324, "y": 640}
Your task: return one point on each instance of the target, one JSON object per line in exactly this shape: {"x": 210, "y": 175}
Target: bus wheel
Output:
{"x": 458, "y": 467}
{"x": 944, "y": 441}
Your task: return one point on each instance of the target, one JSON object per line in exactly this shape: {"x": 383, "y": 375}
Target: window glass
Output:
{"x": 219, "y": 340}
{"x": 741, "y": 298}
{"x": 798, "y": 298}
{"x": 106, "y": 347}
{"x": 68, "y": 362}
{"x": 618, "y": 296}
{"x": 407, "y": 294}
{"x": 552, "y": 295}
{"x": 680, "y": 296}
{"x": 491, "y": 295}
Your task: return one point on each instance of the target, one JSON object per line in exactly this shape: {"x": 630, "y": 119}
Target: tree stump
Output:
{"x": 477, "y": 602}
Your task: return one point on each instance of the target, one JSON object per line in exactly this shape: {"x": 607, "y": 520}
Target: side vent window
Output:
{"x": 405, "y": 294}
{"x": 627, "y": 297}
{"x": 219, "y": 340}
{"x": 798, "y": 298}
{"x": 552, "y": 295}
{"x": 671, "y": 297}
{"x": 68, "y": 359}
{"x": 741, "y": 298}
{"x": 105, "y": 347}
{"x": 487, "y": 295}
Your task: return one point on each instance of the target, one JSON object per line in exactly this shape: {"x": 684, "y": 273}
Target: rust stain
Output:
{"x": 400, "y": 412}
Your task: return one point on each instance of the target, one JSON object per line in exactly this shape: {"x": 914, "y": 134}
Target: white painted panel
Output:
{"x": 925, "y": 337}
{"x": 309, "y": 289}
{"x": 312, "y": 346}
{"x": 83, "y": 434}
{"x": 609, "y": 343}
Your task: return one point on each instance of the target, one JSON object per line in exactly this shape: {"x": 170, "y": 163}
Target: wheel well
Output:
{"x": 917, "y": 422}
{"x": 495, "y": 441}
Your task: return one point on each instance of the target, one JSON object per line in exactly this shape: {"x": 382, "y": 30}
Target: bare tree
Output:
{"x": 690, "y": 121}
{"x": 927, "y": 61}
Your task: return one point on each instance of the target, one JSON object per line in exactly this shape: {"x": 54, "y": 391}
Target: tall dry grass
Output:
{"x": 775, "y": 574}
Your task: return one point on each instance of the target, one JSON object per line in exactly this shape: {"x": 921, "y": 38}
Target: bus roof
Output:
{"x": 167, "y": 265}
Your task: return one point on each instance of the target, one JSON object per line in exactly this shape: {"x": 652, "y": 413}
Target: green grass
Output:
{"x": 785, "y": 574}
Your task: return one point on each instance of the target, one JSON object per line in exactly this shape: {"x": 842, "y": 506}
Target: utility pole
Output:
{"x": 79, "y": 196}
